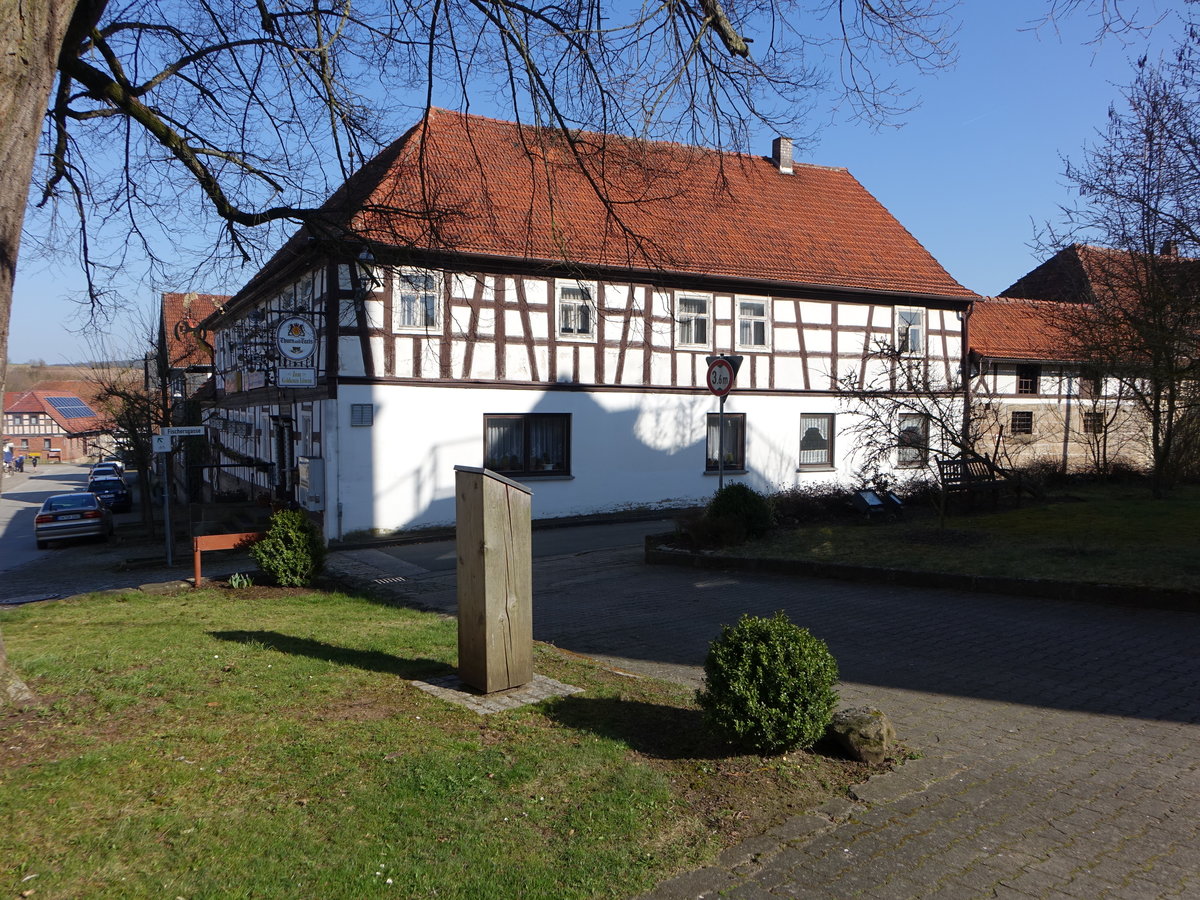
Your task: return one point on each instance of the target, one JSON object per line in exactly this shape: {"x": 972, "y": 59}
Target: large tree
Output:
{"x": 1139, "y": 190}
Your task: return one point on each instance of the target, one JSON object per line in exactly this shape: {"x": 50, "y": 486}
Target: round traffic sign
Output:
{"x": 720, "y": 376}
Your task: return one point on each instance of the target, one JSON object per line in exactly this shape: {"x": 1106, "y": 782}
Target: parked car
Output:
{"x": 114, "y": 461}
{"x": 81, "y": 514}
{"x": 105, "y": 470}
{"x": 113, "y": 492}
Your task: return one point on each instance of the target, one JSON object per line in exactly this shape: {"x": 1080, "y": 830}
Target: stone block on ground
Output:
{"x": 864, "y": 732}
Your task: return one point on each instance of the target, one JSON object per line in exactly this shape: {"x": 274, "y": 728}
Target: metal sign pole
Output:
{"x": 166, "y": 489}
{"x": 721, "y": 445}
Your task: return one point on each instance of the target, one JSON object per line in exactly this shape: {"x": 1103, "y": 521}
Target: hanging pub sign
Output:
{"x": 296, "y": 377}
{"x": 296, "y": 338}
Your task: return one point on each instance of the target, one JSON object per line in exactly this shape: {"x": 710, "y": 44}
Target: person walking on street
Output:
{"x": 35, "y": 459}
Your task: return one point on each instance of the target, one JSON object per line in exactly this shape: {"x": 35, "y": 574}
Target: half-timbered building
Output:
{"x": 545, "y": 304}
{"x": 54, "y": 424}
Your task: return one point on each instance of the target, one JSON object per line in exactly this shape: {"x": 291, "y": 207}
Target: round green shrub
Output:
{"x": 742, "y": 508}
{"x": 292, "y": 553}
{"x": 768, "y": 685}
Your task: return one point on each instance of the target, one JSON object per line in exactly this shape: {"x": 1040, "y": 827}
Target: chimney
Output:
{"x": 1170, "y": 248}
{"x": 781, "y": 154}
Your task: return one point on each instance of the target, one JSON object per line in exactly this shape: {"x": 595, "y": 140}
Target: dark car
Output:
{"x": 113, "y": 492}
{"x": 82, "y": 514}
{"x": 105, "y": 470}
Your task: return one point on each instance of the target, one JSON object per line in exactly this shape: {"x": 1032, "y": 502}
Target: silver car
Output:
{"x": 72, "y": 515}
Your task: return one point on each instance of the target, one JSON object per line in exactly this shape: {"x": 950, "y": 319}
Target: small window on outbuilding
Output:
{"x": 1022, "y": 422}
{"x": 362, "y": 415}
{"x": 1027, "y": 379}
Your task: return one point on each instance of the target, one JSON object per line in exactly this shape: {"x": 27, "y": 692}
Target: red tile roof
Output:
{"x": 181, "y": 313}
{"x": 472, "y": 185}
{"x": 1084, "y": 273}
{"x": 1014, "y": 328}
{"x": 37, "y": 401}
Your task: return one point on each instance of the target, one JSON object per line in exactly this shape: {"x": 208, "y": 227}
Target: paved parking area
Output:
{"x": 1059, "y": 741}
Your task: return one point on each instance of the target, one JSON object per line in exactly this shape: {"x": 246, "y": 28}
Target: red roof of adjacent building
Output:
{"x": 70, "y": 412}
{"x": 181, "y": 313}
{"x": 478, "y": 186}
{"x": 1017, "y": 328}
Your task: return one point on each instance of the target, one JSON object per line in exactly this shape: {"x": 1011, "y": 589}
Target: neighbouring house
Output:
{"x": 1051, "y": 361}
{"x": 179, "y": 374}
{"x": 183, "y": 356}
{"x": 55, "y": 424}
{"x": 545, "y": 303}
{"x": 1033, "y": 403}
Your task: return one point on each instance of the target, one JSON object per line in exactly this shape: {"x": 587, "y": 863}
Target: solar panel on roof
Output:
{"x": 71, "y": 407}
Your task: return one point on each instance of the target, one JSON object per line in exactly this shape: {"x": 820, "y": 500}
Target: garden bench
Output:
{"x": 970, "y": 476}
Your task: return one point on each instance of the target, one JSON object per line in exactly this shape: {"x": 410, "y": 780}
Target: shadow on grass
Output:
{"x": 369, "y": 660}
{"x": 652, "y": 729}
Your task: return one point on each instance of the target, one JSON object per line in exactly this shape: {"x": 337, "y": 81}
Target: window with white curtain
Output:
{"x": 816, "y": 441}
{"x": 527, "y": 444}
{"x": 910, "y": 331}
{"x": 913, "y": 442}
{"x": 753, "y": 323}
{"x": 576, "y": 310}
{"x": 692, "y": 314}
{"x": 732, "y": 444}
{"x": 416, "y": 300}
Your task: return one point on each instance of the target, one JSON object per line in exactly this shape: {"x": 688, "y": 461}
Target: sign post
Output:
{"x": 722, "y": 370}
{"x": 163, "y": 443}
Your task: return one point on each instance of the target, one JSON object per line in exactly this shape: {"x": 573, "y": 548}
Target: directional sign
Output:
{"x": 720, "y": 376}
{"x": 185, "y": 431}
{"x": 160, "y": 443}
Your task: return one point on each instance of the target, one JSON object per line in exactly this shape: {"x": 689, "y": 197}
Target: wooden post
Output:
{"x": 235, "y": 541}
{"x": 495, "y": 581}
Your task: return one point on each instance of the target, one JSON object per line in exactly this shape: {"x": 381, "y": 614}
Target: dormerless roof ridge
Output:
{"x": 465, "y": 184}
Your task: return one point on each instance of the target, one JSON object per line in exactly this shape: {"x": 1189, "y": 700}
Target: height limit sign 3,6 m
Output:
{"x": 722, "y": 370}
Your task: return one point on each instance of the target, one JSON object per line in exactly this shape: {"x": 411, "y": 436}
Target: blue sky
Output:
{"x": 972, "y": 173}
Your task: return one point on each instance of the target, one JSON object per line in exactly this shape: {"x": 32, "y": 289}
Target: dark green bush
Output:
{"x": 292, "y": 553}
{"x": 743, "y": 508}
{"x": 807, "y": 503}
{"x": 702, "y": 533}
{"x": 768, "y": 685}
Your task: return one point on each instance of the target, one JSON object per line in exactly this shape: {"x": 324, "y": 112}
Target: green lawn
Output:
{"x": 268, "y": 743}
{"x": 1115, "y": 535}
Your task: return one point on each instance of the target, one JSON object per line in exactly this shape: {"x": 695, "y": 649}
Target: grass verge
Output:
{"x": 267, "y": 742}
{"x": 1109, "y": 535}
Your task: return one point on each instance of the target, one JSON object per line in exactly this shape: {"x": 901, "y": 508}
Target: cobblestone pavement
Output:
{"x": 1058, "y": 742}
{"x": 76, "y": 567}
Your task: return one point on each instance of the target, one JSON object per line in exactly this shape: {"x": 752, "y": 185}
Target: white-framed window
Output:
{"x": 732, "y": 443}
{"x": 816, "y": 440}
{"x": 417, "y": 299}
{"x": 913, "y": 439}
{"x": 910, "y": 330}
{"x": 693, "y": 319}
{"x": 753, "y": 323}
{"x": 576, "y": 310}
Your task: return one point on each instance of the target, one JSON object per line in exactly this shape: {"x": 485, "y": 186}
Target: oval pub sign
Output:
{"x": 296, "y": 338}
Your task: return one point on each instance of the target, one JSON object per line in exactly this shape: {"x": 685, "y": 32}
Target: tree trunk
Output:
{"x": 31, "y": 36}
{"x": 33, "y": 33}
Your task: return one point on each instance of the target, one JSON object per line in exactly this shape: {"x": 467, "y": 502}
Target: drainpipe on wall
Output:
{"x": 965, "y": 362}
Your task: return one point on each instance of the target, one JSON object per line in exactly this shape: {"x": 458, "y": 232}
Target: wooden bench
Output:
{"x": 220, "y": 542}
{"x": 970, "y": 476}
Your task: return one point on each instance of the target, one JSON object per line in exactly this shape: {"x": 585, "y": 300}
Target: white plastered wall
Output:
{"x": 628, "y": 450}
